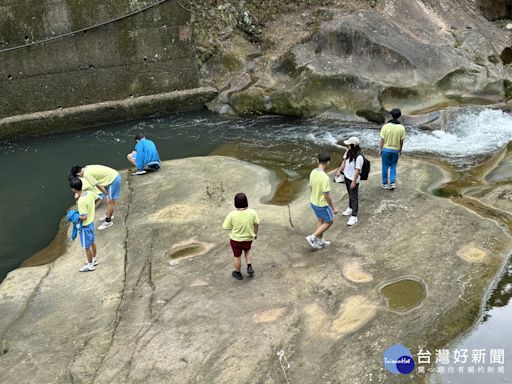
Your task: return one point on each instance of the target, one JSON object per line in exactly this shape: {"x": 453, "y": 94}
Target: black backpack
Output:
{"x": 365, "y": 171}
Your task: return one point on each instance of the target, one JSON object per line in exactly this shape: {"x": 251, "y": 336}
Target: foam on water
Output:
{"x": 470, "y": 134}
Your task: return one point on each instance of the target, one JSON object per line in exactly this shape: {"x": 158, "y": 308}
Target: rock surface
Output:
{"x": 162, "y": 306}
{"x": 356, "y": 56}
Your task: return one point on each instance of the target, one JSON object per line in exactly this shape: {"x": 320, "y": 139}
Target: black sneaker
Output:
{"x": 250, "y": 271}
{"x": 237, "y": 275}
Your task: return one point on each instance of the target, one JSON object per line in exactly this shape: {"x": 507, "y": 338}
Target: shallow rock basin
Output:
{"x": 404, "y": 295}
{"x": 187, "y": 250}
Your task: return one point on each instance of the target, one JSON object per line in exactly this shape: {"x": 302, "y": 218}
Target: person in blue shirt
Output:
{"x": 145, "y": 157}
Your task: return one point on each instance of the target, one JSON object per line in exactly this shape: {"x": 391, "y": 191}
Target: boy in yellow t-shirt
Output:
{"x": 86, "y": 210}
{"x": 243, "y": 224}
{"x": 108, "y": 181}
{"x": 321, "y": 202}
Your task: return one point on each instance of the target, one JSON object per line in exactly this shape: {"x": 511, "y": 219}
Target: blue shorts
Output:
{"x": 101, "y": 196}
{"x": 133, "y": 156}
{"x": 87, "y": 236}
{"x": 114, "y": 189}
{"x": 324, "y": 213}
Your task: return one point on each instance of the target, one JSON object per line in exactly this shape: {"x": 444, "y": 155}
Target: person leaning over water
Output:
{"x": 321, "y": 202}
{"x": 351, "y": 165}
{"x": 392, "y": 137}
{"x": 108, "y": 180}
{"x": 98, "y": 196}
{"x": 145, "y": 157}
{"x": 86, "y": 210}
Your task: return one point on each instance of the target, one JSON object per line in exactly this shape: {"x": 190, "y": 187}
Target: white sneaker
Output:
{"x": 347, "y": 212}
{"x": 104, "y": 217}
{"x": 313, "y": 241}
{"x": 94, "y": 262}
{"x": 323, "y": 243}
{"x": 385, "y": 186}
{"x": 105, "y": 225}
{"x": 87, "y": 268}
{"x": 392, "y": 186}
{"x": 139, "y": 173}
{"x": 352, "y": 221}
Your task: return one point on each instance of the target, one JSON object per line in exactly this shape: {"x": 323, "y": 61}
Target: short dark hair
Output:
{"x": 75, "y": 183}
{"x": 139, "y": 136}
{"x": 324, "y": 157}
{"x": 241, "y": 200}
{"x": 75, "y": 170}
{"x": 396, "y": 113}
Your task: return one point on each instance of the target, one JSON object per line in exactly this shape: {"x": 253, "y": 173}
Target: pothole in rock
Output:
{"x": 404, "y": 295}
{"x": 187, "y": 250}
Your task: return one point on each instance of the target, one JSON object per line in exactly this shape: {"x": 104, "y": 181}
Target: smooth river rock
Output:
{"x": 162, "y": 306}
{"x": 365, "y": 57}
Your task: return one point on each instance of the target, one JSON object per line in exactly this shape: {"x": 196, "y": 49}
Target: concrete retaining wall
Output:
{"x": 149, "y": 52}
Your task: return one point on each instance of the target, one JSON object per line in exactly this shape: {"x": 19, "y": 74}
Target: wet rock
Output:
{"x": 162, "y": 302}
{"x": 366, "y": 58}
{"x": 372, "y": 116}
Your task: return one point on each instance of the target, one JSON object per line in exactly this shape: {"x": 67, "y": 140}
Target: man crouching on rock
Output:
{"x": 243, "y": 224}
{"x": 85, "y": 205}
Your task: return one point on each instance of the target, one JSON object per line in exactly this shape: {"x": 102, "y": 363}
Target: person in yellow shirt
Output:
{"x": 392, "y": 137}
{"x": 321, "y": 202}
{"x": 86, "y": 186}
{"x": 243, "y": 224}
{"x": 107, "y": 180}
{"x": 86, "y": 210}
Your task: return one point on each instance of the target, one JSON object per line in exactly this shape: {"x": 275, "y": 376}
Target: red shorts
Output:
{"x": 239, "y": 246}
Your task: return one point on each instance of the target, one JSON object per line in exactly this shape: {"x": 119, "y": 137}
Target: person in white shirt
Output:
{"x": 351, "y": 167}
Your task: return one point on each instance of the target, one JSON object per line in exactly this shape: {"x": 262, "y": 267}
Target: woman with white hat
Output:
{"x": 351, "y": 166}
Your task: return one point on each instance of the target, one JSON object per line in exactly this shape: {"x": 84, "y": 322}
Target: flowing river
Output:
{"x": 35, "y": 195}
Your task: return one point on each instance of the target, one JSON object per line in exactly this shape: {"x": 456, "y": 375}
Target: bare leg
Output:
{"x": 93, "y": 247}
{"x": 130, "y": 159}
{"x": 98, "y": 202}
{"x": 110, "y": 208}
{"x": 248, "y": 256}
{"x": 237, "y": 263}
{"x": 90, "y": 254}
{"x": 319, "y": 223}
{"x": 321, "y": 229}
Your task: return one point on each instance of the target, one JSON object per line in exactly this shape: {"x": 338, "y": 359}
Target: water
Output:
{"x": 473, "y": 133}
{"x": 35, "y": 194}
{"x": 492, "y": 332}
{"x": 404, "y": 295}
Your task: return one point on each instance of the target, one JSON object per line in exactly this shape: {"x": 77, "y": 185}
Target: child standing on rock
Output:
{"x": 85, "y": 205}
{"x": 243, "y": 224}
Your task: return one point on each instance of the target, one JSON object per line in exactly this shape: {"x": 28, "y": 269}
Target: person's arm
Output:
{"x": 402, "y": 138}
{"x": 356, "y": 175}
{"x": 81, "y": 208}
{"x": 327, "y": 196}
{"x": 103, "y": 190}
{"x": 256, "y": 227}
{"x": 381, "y": 145}
{"x": 342, "y": 165}
{"x": 227, "y": 224}
{"x": 358, "y": 167}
